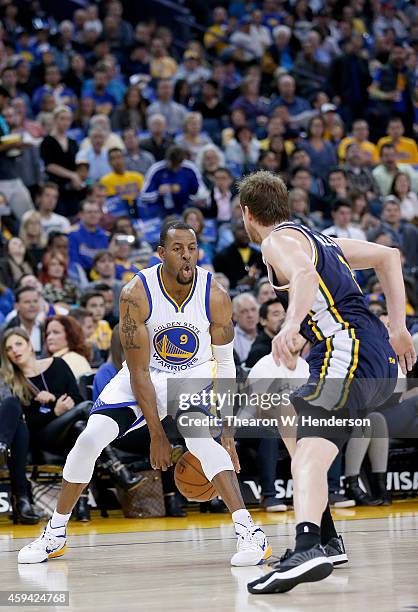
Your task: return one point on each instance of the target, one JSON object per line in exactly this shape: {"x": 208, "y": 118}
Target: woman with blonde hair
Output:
{"x": 16, "y": 263}
{"x": 192, "y": 139}
{"x": 32, "y": 235}
{"x": 58, "y": 152}
{"x": 54, "y": 409}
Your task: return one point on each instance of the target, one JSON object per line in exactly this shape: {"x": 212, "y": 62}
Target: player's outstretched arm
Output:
{"x": 222, "y": 335}
{"x": 386, "y": 262}
{"x": 289, "y": 256}
{"x": 134, "y": 337}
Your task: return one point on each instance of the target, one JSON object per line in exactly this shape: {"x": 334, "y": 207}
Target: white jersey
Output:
{"x": 179, "y": 335}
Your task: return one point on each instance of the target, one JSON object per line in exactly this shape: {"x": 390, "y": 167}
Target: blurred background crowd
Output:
{"x": 116, "y": 117}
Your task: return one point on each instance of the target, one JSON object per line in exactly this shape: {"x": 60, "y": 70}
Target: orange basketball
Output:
{"x": 191, "y": 481}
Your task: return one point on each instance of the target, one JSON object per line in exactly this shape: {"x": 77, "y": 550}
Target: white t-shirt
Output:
{"x": 266, "y": 368}
{"x": 349, "y": 232}
{"x": 55, "y": 223}
{"x": 267, "y": 379}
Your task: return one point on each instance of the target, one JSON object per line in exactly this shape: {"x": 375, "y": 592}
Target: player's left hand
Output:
{"x": 286, "y": 344}
{"x": 401, "y": 341}
{"x": 229, "y": 445}
{"x": 160, "y": 452}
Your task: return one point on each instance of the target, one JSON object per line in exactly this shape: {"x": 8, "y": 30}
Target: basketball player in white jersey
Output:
{"x": 175, "y": 323}
{"x": 352, "y": 362}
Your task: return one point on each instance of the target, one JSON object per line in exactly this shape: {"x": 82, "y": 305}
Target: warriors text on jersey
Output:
{"x": 179, "y": 335}
{"x": 180, "y": 346}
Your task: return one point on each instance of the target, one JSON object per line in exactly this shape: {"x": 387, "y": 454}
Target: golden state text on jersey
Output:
{"x": 178, "y": 334}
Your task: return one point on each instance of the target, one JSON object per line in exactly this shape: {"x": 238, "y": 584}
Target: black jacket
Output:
{"x": 340, "y": 78}
{"x": 229, "y": 261}
{"x": 260, "y": 348}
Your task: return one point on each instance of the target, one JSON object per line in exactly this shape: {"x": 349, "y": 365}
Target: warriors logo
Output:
{"x": 176, "y": 345}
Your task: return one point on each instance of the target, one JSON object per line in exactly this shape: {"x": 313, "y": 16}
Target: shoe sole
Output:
{"x": 267, "y": 555}
{"x": 58, "y": 553}
{"x": 338, "y": 559}
{"x": 53, "y": 555}
{"x": 282, "y": 582}
{"x": 347, "y": 504}
{"x": 278, "y": 508}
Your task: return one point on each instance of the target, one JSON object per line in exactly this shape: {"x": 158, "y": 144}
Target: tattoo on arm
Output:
{"x": 228, "y": 333}
{"x": 129, "y": 301}
{"x": 129, "y": 329}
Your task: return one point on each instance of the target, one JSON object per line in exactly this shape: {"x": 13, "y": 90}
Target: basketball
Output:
{"x": 191, "y": 481}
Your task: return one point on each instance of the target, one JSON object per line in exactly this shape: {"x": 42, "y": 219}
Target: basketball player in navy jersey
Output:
{"x": 352, "y": 364}
{"x": 175, "y": 323}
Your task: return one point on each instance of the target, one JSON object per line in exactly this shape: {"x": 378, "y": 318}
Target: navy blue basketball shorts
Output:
{"x": 350, "y": 375}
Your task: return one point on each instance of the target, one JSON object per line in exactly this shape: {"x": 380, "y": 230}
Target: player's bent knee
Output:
{"x": 213, "y": 457}
{"x": 79, "y": 467}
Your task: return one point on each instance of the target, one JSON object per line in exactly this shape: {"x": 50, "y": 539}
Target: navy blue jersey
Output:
{"x": 339, "y": 303}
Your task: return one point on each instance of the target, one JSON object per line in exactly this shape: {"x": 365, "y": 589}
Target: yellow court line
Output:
{"x": 117, "y": 524}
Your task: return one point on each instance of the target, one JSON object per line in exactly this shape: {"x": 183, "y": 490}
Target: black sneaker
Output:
{"x": 337, "y": 500}
{"x": 307, "y": 566}
{"x": 335, "y": 550}
{"x": 272, "y": 504}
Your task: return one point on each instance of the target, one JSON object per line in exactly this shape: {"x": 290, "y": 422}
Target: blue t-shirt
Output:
{"x": 104, "y": 374}
{"x": 83, "y": 245}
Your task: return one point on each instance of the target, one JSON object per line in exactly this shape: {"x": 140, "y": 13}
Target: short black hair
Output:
{"x": 212, "y": 83}
{"x": 54, "y": 235}
{"x": 23, "y": 290}
{"x": 100, "y": 254}
{"x": 112, "y": 150}
{"x": 297, "y": 169}
{"x": 387, "y": 145}
{"x": 88, "y": 296}
{"x": 226, "y": 170}
{"x": 4, "y": 93}
{"x": 101, "y": 287}
{"x": 264, "y": 308}
{"x": 339, "y": 204}
{"x": 175, "y": 155}
{"x": 172, "y": 225}
{"x": 298, "y": 149}
{"x": 337, "y": 170}
{"x": 79, "y": 314}
{"x": 7, "y": 68}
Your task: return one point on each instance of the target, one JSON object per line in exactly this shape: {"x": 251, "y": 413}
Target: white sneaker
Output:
{"x": 252, "y": 548}
{"x": 47, "y": 546}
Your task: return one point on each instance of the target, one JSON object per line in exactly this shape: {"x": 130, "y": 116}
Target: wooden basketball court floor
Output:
{"x": 182, "y": 565}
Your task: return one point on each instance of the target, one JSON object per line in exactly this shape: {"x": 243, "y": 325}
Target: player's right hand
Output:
{"x": 160, "y": 452}
{"x": 401, "y": 341}
{"x": 286, "y": 344}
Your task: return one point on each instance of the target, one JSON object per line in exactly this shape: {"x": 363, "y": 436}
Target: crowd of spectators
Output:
{"x": 110, "y": 126}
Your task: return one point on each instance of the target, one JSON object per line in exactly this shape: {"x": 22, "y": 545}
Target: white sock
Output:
{"x": 242, "y": 519}
{"x": 59, "y": 522}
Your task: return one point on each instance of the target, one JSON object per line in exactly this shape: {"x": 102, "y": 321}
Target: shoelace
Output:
{"x": 247, "y": 540}
{"x": 45, "y": 535}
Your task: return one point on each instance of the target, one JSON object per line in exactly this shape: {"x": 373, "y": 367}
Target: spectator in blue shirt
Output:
{"x": 170, "y": 185}
{"x": 88, "y": 238}
{"x": 97, "y": 88}
{"x": 96, "y": 155}
{"x": 288, "y": 98}
{"x": 53, "y": 85}
{"x": 108, "y": 370}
